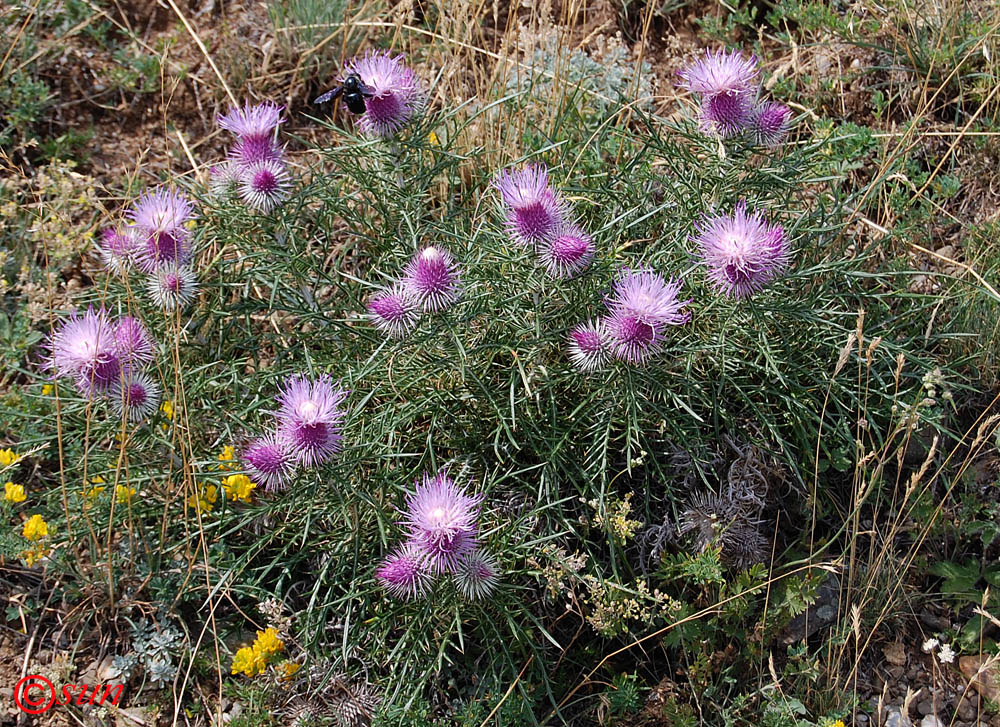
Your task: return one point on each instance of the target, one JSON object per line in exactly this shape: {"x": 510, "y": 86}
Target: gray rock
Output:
{"x": 931, "y": 721}
{"x": 925, "y": 707}
{"x": 895, "y": 718}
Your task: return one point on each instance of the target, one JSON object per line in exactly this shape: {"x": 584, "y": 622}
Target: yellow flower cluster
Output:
{"x": 238, "y": 487}
{"x": 205, "y": 500}
{"x": 253, "y": 660}
{"x": 227, "y": 458}
{"x": 9, "y": 457}
{"x": 35, "y": 528}
{"x": 14, "y": 493}
{"x": 97, "y": 489}
{"x": 123, "y": 494}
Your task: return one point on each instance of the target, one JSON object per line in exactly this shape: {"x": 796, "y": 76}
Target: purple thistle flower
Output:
{"x": 116, "y": 249}
{"x": 589, "y": 346}
{"x": 648, "y": 297}
{"x": 264, "y": 185}
{"x": 393, "y": 312}
{"x": 769, "y": 123}
{"x": 136, "y": 396}
{"x": 477, "y": 575}
{"x": 726, "y": 84}
{"x": 404, "y": 574}
{"x": 159, "y": 218}
{"x": 310, "y": 418}
{"x": 631, "y": 339}
{"x": 171, "y": 285}
{"x": 430, "y": 279}
{"x": 642, "y": 303}
{"x": 253, "y": 121}
{"x": 742, "y": 251}
{"x": 570, "y": 252}
{"x": 255, "y": 150}
{"x": 84, "y": 348}
{"x": 398, "y": 93}
{"x": 133, "y": 342}
{"x": 269, "y": 462}
{"x": 441, "y": 520}
{"x": 535, "y": 211}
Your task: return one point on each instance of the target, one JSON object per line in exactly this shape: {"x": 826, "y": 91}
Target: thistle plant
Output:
{"x": 370, "y": 321}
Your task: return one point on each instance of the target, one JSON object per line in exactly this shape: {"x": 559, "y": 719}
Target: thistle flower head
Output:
{"x": 741, "y": 251}
{"x": 161, "y": 210}
{"x": 269, "y": 462}
{"x": 84, "y": 348}
{"x": 171, "y": 285}
{"x": 224, "y": 179}
{"x": 769, "y": 123}
{"x": 631, "y": 339}
{"x": 590, "y": 345}
{"x": 264, "y": 185}
{"x": 648, "y": 297}
{"x": 398, "y": 93}
{"x": 133, "y": 341}
{"x": 535, "y": 211}
{"x": 441, "y": 520}
{"x": 253, "y": 121}
{"x": 404, "y": 574}
{"x": 249, "y": 150}
{"x": 159, "y": 218}
{"x": 726, "y": 82}
{"x": 310, "y": 418}
{"x": 136, "y": 396}
{"x": 477, "y": 575}
{"x": 117, "y": 247}
{"x": 568, "y": 253}
{"x": 393, "y": 312}
{"x": 430, "y": 279}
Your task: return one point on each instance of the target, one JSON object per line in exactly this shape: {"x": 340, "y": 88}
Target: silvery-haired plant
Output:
{"x": 431, "y": 364}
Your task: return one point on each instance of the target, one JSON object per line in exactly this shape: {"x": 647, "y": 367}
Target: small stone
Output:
{"x": 931, "y": 721}
{"x": 895, "y": 654}
{"x": 896, "y": 672}
{"x": 938, "y": 623}
{"x": 986, "y": 683}
{"x": 925, "y": 707}
{"x": 968, "y": 708}
{"x": 895, "y": 718}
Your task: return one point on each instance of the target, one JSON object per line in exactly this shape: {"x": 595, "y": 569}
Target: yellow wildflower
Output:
{"x": 288, "y": 669}
{"x": 8, "y": 457}
{"x": 35, "y": 528}
{"x": 123, "y": 494}
{"x": 238, "y": 487}
{"x": 206, "y": 499}
{"x": 14, "y": 493}
{"x": 433, "y": 140}
{"x": 35, "y": 554}
{"x": 46, "y": 389}
{"x": 227, "y": 458}
{"x": 268, "y": 642}
{"x": 247, "y": 661}
{"x": 167, "y": 409}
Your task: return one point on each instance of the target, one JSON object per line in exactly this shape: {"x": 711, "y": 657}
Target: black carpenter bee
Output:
{"x": 355, "y": 92}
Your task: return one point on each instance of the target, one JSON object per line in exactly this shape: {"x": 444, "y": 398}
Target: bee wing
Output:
{"x": 329, "y": 95}
{"x": 366, "y": 91}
